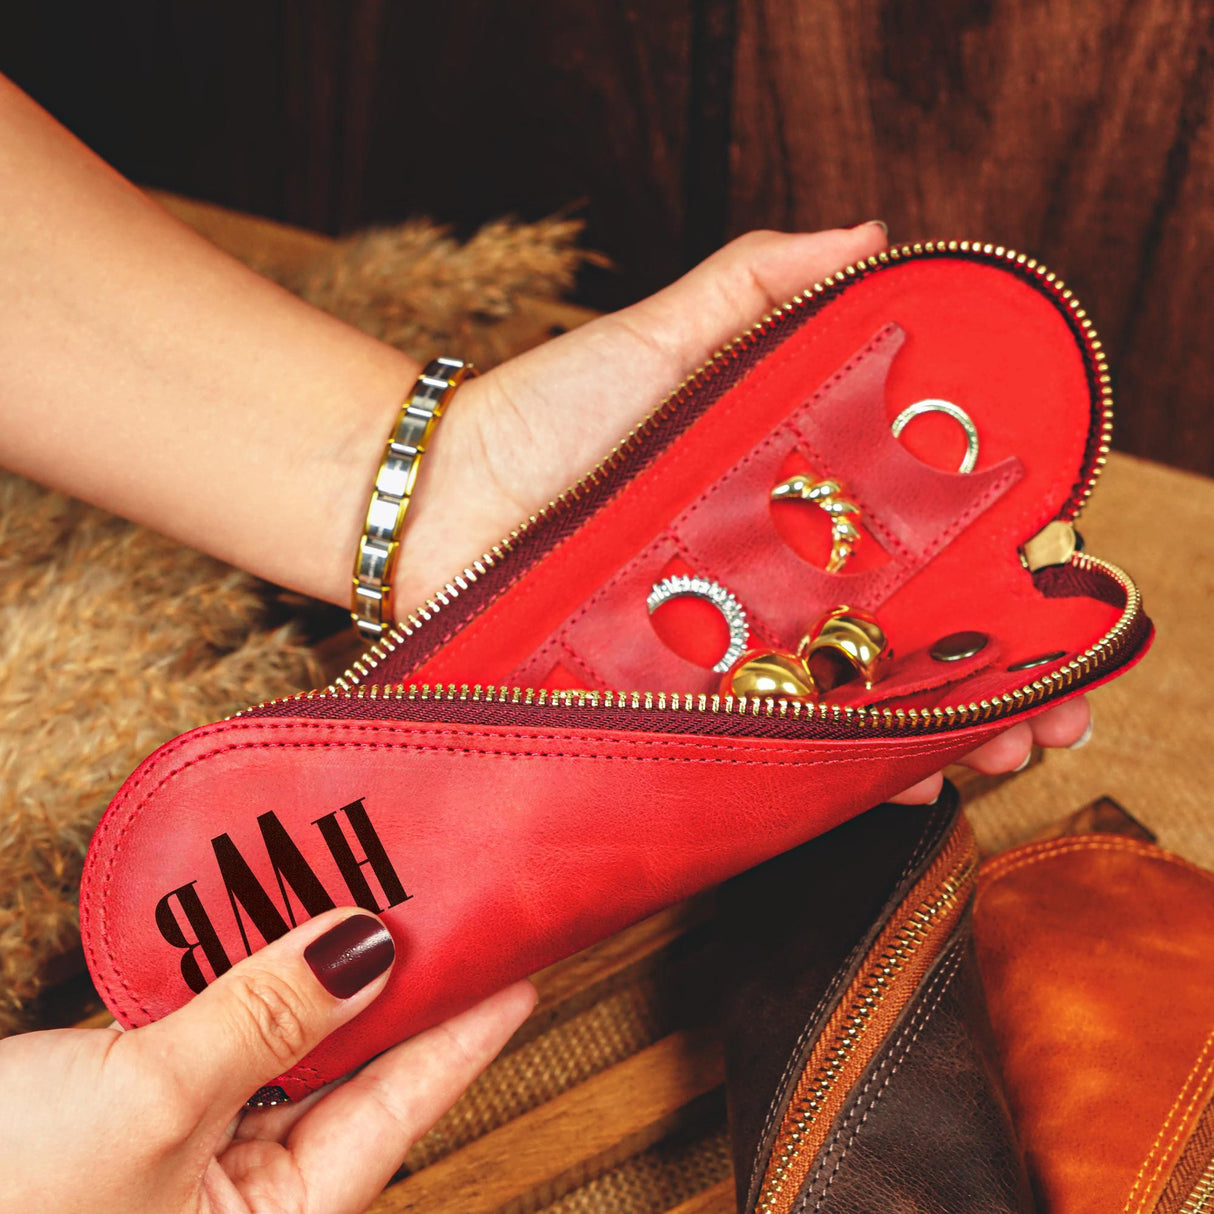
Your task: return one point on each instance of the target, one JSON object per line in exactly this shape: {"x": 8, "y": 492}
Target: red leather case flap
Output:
{"x": 491, "y": 850}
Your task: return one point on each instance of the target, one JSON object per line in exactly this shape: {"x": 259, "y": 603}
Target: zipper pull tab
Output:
{"x": 1054, "y": 544}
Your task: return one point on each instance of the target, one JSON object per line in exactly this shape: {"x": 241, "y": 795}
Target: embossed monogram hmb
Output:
{"x": 248, "y": 897}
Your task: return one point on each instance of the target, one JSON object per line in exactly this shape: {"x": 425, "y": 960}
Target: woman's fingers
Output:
{"x": 1065, "y": 725}
{"x": 350, "y": 1143}
{"x": 1068, "y": 725}
{"x": 525, "y": 431}
{"x": 730, "y": 290}
{"x": 260, "y": 1018}
{"x": 1004, "y": 752}
{"x": 923, "y": 793}
{"x": 550, "y": 414}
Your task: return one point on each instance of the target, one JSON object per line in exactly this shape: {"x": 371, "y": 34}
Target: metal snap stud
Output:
{"x": 959, "y": 645}
{"x": 1043, "y": 660}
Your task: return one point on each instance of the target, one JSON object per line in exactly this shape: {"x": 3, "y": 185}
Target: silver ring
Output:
{"x": 956, "y": 412}
{"x": 682, "y": 586}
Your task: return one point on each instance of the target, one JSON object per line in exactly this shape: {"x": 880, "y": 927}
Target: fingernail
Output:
{"x": 351, "y": 955}
{"x": 1084, "y": 738}
{"x": 1028, "y": 758}
{"x": 879, "y": 223}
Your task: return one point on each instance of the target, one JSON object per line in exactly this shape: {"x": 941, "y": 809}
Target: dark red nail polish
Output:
{"x": 350, "y": 955}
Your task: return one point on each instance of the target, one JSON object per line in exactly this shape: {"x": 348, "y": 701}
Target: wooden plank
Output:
{"x": 531, "y": 109}
{"x": 1079, "y": 131}
{"x": 560, "y": 1145}
{"x": 341, "y": 115}
{"x": 660, "y": 942}
{"x": 621, "y": 953}
{"x": 98, "y": 1020}
{"x": 717, "y": 1199}
{"x": 1103, "y": 816}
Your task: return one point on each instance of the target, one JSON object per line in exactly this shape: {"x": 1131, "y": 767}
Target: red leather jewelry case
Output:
{"x": 546, "y": 753}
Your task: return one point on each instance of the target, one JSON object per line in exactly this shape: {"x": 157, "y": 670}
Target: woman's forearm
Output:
{"x": 144, "y": 370}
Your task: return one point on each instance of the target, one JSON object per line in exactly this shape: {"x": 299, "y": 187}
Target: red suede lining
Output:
{"x": 976, "y": 335}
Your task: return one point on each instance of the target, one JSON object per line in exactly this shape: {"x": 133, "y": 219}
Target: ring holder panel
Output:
{"x": 939, "y": 549}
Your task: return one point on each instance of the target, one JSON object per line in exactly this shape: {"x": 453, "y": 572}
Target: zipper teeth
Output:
{"x": 913, "y": 934}
{"x": 395, "y": 636}
{"x": 1201, "y": 1199}
{"x": 1099, "y": 655}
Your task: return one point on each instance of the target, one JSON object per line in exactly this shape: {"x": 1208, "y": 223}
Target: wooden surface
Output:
{"x": 1079, "y": 131}
{"x": 550, "y": 1150}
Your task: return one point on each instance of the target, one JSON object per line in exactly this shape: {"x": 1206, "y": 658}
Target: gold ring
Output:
{"x": 828, "y": 496}
{"x": 970, "y": 459}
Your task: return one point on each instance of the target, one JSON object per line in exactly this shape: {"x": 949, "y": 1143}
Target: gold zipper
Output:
{"x": 353, "y": 681}
{"x": 976, "y": 712}
{"x": 865, "y": 1016}
{"x": 1201, "y": 1199}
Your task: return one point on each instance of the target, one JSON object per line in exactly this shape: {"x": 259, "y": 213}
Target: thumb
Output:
{"x": 259, "y": 1019}
{"x": 618, "y": 367}
{"x": 626, "y": 361}
{"x": 741, "y": 282}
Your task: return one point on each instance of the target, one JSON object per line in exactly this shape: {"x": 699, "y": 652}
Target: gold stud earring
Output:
{"x": 769, "y": 672}
{"x": 845, "y": 642}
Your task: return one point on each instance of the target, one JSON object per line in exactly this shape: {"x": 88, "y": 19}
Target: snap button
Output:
{"x": 959, "y": 645}
{"x": 1042, "y": 660}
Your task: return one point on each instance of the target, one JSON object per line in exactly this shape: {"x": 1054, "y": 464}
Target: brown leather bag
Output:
{"x": 859, "y": 1061}
{"x": 1097, "y": 953}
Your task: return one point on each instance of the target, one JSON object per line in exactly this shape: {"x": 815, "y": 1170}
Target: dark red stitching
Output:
{"x": 946, "y": 537}
{"x": 789, "y": 422}
{"x": 760, "y": 630}
{"x": 670, "y": 535}
{"x": 641, "y": 556}
{"x": 894, "y": 547}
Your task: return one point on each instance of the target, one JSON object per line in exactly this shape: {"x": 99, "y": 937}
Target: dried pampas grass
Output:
{"x": 115, "y": 639}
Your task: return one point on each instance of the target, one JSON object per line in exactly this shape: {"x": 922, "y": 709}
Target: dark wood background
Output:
{"x": 1077, "y": 130}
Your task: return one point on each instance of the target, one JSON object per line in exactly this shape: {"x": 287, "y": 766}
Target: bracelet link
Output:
{"x": 379, "y": 545}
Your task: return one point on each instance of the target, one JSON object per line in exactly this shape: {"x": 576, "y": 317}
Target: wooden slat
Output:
{"x": 1104, "y": 816}
{"x": 552, "y": 1149}
{"x": 98, "y": 1020}
{"x": 972, "y": 121}
{"x": 619, "y": 953}
{"x": 718, "y": 1199}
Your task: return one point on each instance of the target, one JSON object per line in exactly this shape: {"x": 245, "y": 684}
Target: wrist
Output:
{"x": 458, "y": 511}
{"x": 344, "y": 465}
{"x": 410, "y": 441}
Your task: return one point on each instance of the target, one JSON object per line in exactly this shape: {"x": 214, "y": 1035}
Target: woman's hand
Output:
{"x": 152, "y": 1121}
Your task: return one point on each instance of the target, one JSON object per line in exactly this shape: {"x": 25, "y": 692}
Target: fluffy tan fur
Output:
{"x": 115, "y": 639}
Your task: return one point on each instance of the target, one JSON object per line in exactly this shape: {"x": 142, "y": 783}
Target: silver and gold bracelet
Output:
{"x": 375, "y": 564}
